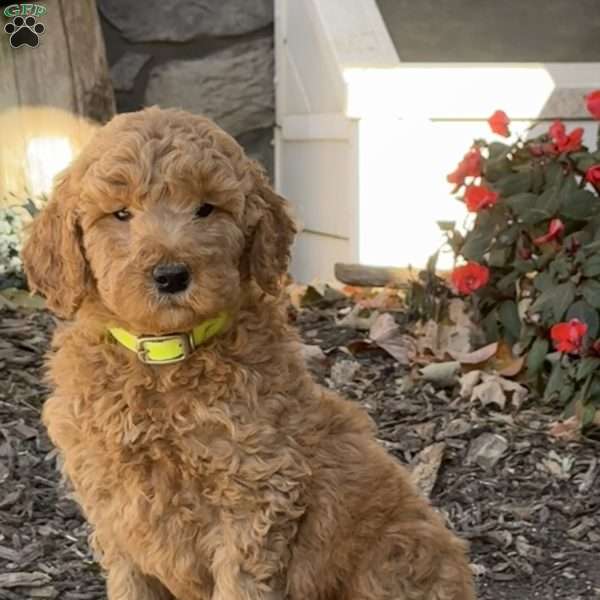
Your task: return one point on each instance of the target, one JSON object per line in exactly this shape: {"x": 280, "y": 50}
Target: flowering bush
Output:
{"x": 532, "y": 254}
{"x": 12, "y": 222}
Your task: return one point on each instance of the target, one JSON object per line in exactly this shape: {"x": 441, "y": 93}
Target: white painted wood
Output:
{"x": 357, "y": 34}
{"x": 364, "y": 141}
{"x": 471, "y": 91}
{"x": 314, "y": 257}
{"x": 404, "y": 191}
{"x": 316, "y": 127}
{"x": 320, "y": 185}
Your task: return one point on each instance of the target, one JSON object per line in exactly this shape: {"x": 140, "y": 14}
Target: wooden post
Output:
{"x": 68, "y": 69}
{"x": 53, "y": 91}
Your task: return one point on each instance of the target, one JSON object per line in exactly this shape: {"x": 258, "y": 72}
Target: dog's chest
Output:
{"x": 162, "y": 492}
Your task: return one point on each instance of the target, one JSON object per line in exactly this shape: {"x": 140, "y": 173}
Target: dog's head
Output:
{"x": 164, "y": 220}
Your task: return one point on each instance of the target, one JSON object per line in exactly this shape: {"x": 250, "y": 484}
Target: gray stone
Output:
{"x": 126, "y": 69}
{"x": 234, "y": 87}
{"x": 487, "y": 450}
{"x": 544, "y": 31}
{"x": 258, "y": 145}
{"x": 178, "y": 21}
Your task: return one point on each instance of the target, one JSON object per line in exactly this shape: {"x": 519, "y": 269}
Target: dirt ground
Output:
{"x": 530, "y": 511}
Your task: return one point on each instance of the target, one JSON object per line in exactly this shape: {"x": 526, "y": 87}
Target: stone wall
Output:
{"x": 493, "y": 30}
{"x": 213, "y": 57}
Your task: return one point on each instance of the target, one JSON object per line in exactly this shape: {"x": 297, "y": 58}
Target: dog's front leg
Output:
{"x": 126, "y": 582}
{"x": 251, "y": 563}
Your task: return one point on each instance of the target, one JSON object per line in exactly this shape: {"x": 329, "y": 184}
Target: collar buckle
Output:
{"x": 143, "y": 350}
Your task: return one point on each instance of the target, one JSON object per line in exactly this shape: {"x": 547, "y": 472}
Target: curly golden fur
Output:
{"x": 230, "y": 475}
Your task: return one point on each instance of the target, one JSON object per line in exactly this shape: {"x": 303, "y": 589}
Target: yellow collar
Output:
{"x": 175, "y": 347}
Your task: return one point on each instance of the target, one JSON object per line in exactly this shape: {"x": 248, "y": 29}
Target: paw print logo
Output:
{"x": 24, "y": 32}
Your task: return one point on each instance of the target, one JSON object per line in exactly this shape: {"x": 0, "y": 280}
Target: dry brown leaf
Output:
{"x": 313, "y": 354}
{"x": 355, "y": 321}
{"x": 513, "y": 368}
{"x": 427, "y": 337}
{"x": 384, "y": 299}
{"x": 505, "y": 363}
{"x": 295, "y": 292}
{"x": 468, "y": 382}
{"x": 454, "y": 338}
{"x": 489, "y": 392}
{"x": 492, "y": 389}
{"x": 427, "y": 465}
{"x": 360, "y": 346}
{"x": 458, "y": 312}
{"x": 477, "y": 356}
{"x": 568, "y": 430}
{"x": 442, "y": 374}
{"x": 386, "y": 333}
{"x": 22, "y": 299}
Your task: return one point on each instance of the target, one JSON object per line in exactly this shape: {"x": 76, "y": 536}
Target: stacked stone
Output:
{"x": 211, "y": 57}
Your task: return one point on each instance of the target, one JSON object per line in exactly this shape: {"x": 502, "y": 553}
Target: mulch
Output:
{"x": 530, "y": 512}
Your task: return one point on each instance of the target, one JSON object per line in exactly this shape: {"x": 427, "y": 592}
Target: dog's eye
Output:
{"x": 204, "y": 210}
{"x": 122, "y": 215}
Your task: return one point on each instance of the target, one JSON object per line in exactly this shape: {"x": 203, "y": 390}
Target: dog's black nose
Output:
{"x": 172, "y": 278}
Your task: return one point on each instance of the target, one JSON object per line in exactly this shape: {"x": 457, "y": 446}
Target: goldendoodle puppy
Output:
{"x": 208, "y": 462}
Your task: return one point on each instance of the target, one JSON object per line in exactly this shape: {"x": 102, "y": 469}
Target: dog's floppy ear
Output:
{"x": 272, "y": 237}
{"x": 53, "y": 257}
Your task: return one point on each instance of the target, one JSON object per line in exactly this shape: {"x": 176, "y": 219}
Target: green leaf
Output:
{"x": 508, "y": 281}
{"x": 586, "y": 367}
{"x": 566, "y": 391}
{"x": 592, "y": 246}
{"x": 495, "y": 169}
{"x": 515, "y": 183}
{"x": 555, "y": 381}
{"x": 524, "y": 266}
{"x": 537, "y": 356}
{"x": 543, "y": 301}
{"x": 590, "y": 289}
{"x": 477, "y": 243}
{"x": 581, "y": 206}
{"x": 520, "y": 203}
{"x": 560, "y": 268}
{"x": 586, "y": 314}
{"x": 490, "y": 326}
{"x": 588, "y": 414}
{"x": 591, "y": 267}
{"x": 432, "y": 262}
{"x": 456, "y": 241}
{"x": 498, "y": 150}
{"x": 562, "y": 297}
{"x": 543, "y": 281}
{"x": 549, "y": 201}
{"x": 499, "y": 257}
{"x": 554, "y": 175}
{"x": 509, "y": 235}
{"x": 537, "y": 178}
{"x": 583, "y": 160}
{"x": 446, "y": 225}
{"x": 533, "y": 216}
{"x": 509, "y": 317}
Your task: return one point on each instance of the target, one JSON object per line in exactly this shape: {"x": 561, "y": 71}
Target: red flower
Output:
{"x": 593, "y": 175}
{"x": 478, "y": 197}
{"x": 557, "y": 130}
{"x": 469, "y": 166}
{"x": 499, "y": 122}
{"x": 592, "y": 102}
{"x": 470, "y": 277}
{"x": 565, "y": 142}
{"x": 555, "y": 229}
{"x": 568, "y": 337}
